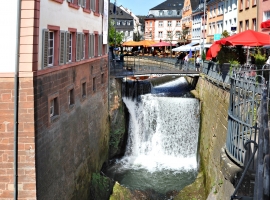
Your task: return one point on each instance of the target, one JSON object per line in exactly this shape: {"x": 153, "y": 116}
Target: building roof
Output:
{"x": 176, "y": 5}
{"x": 120, "y": 14}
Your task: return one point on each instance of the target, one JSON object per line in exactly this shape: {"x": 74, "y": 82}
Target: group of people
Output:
{"x": 183, "y": 59}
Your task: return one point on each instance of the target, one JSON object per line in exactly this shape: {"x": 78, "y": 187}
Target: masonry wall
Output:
{"x": 74, "y": 144}
{"x": 214, "y": 122}
{"x": 26, "y": 139}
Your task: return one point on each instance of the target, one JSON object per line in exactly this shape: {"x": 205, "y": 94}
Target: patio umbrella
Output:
{"x": 130, "y": 43}
{"x": 146, "y": 43}
{"x": 162, "y": 44}
{"x": 246, "y": 38}
{"x": 213, "y": 51}
{"x": 190, "y": 54}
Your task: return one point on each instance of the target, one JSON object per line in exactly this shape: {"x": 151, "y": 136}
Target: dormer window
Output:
{"x": 123, "y": 23}
{"x": 170, "y": 12}
{"x": 128, "y": 23}
{"x": 161, "y": 13}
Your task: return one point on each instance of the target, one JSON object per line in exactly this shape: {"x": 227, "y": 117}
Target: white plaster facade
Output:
{"x": 230, "y": 15}
{"x": 67, "y": 18}
{"x": 8, "y": 21}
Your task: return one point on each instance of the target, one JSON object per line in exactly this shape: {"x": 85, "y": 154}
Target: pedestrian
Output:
{"x": 198, "y": 63}
{"x": 268, "y": 61}
{"x": 186, "y": 59}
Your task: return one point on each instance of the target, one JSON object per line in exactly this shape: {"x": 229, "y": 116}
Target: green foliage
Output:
{"x": 225, "y": 34}
{"x": 115, "y": 37}
{"x": 259, "y": 59}
{"x": 203, "y": 56}
{"x": 227, "y": 54}
{"x": 100, "y": 186}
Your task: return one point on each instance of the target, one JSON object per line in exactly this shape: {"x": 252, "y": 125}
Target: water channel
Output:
{"x": 161, "y": 151}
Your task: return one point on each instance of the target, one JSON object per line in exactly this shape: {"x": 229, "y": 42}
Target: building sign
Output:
{"x": 217, "y": 36}
{"x": 233, "y": 28}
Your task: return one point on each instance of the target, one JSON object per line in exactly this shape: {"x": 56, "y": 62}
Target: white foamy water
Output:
{"x": 163, "y": 133}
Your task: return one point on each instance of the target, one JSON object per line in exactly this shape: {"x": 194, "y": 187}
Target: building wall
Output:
{"x": 8, "y": 37}
{"x": 263, "y": 6}
{"x": 230, "y": 15}
{"x": 247, "y": 13}
{"x": 75, "y": 18}
{"x": 74, "y": 145}
{"x": 213, "y": 20}
{"x": 165, "y": 28}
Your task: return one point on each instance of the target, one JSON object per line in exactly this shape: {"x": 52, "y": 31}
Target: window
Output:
{"x": 169, "y": 33}
{"x": 53, "y": 105}
{"x": 161, "y": 13}
{"x": 128, "y": 23}
{"x": 240, "y": 26}
{"x": 170, "y": 12}
{"x": 93, "y": 5}
{"x": 69, "y": 47}
{"x": 123, "y": 23}
{"x": 83, "y": 89}
{"x": 241, "y": 5}
{"x": 91, "y": 45}
{"x": 254, "y": 24}
{"x": 94, "y": 84}
{"x": 247, "y": 3}
{"x": 247, "y": 24}
{"x": 160, "y": 35}
{"x": 71, "y": 98}
{"x": 150, "y": 24}
{"x": 160, "y": 23}
{"x": 74, "y": 3}
{"x": 178, "y": 23}
{"x": 51, "y": 49}
{"x": 177, "y": 34}
{"x": 118, "y": 23}
{"x": 254, "y": 2}
{"x": 83, "y": 47}
{"x": 102, "y": 78}
{"x": 266, "y": 15}
{"x": 169, "y": 23}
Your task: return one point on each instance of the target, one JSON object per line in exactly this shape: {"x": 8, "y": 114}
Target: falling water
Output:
{"x": 162, "y": 144}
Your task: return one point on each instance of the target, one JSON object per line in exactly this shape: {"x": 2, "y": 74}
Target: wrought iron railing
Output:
{"x": 248, "y": 134}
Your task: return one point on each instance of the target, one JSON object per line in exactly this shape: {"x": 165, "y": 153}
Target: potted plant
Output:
{"x": 259, "y": 59}
{"x": 225, "y": 55}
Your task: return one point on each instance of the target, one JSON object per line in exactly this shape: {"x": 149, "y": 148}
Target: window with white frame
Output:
{"x": 69, "y": 47}
{"x": 169, "y": 34}
{"x": 254, "y": 24}
{"x": 177, "y": 34}
{"x": 118, "y": 23}
{"x": 123, "y": 23}
{"x": 160, "y": 34}
{"x": 169, "y": 23}
{"x": 160, "y": 23}
{"x": 51, "y": 49}
{"x": 161, "y": 13}
{"x": 178, "y": 23}
{"x": 150, "y": 24}
{"x": 128, "y": 23}
{"x": 266, "y": 15}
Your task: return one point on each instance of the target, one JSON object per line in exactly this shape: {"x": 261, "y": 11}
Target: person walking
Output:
{"x": 186, "y": 59}
{"x": 198, "y": 63}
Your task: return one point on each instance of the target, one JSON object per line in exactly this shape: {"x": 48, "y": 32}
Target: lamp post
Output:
{"x": 204, "y": 5}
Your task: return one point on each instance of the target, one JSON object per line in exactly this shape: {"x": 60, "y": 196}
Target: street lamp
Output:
{"x": 204, "y": 5}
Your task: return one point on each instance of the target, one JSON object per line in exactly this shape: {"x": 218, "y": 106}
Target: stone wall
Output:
{"x": 26, "y": 139}
{"x": 213, "y": 132}
{"x": 73, "y": 144}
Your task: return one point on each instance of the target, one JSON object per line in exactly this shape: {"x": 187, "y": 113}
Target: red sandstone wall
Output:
{"x": 26, "y": 141}
{"x": 75, "y": 145}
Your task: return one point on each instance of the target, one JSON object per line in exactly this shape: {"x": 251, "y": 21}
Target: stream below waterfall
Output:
{"x": 161, "y": 151}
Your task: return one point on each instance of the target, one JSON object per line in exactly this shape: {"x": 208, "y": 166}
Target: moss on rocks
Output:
{"x": 120, "y": 193}
{"x": 194, "y": 191}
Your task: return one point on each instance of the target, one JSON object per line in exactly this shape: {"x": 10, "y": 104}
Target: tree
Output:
{"x": 225, "y": 34}
{"x": 115, "y": 37}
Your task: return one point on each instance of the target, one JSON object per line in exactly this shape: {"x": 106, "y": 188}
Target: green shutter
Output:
{"x": 45, "y": 46}
{"x": 62, "y": 48}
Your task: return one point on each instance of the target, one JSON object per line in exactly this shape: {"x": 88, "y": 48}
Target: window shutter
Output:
{"x": 67, "y": 46}
{"x": 45, "y": 46}
{"x": 69, "y": 1}
{"x": 78, "y": 46}
{"x": 79, "y": 2}
{"x": 62, "y": 56}
{"x": 89, "y": 46}
{"x": 83, "y": 3}
{"x": 99, "y": 45}
{"x": 82, "y": 46}
{"x": 93, "y": 5}
{"x": 92, "y": 45}
{"x": 101, "y": 2}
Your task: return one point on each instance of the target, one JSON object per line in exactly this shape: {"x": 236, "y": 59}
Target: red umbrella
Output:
{"x": 212, "y": 51}
{"x": 265, "y": 24}
{"x": 162, "y": 44}
{"x": 246, "y": 38}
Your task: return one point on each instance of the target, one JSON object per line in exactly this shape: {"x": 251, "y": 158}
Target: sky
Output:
{"x": 138, "y": 7}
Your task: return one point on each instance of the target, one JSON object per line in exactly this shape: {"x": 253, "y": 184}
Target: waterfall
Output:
{"x": 163, "y": 133}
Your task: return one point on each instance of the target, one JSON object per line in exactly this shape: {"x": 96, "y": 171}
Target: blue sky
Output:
{"x": 138, "y": 7}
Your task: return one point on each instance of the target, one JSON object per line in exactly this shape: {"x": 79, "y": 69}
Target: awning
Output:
{"x": 265, "y": 24}
{"x": 192, "y": 43}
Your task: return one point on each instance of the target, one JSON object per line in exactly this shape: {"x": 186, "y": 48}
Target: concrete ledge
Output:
{"x": 229, "y": 169}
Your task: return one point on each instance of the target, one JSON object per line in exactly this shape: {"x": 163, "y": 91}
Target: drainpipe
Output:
{"x": 16, "y": 92}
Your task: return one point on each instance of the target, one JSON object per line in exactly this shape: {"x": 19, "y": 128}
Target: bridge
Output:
{"x": 247, "y": 141}
{"x": 147, "y": 66}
